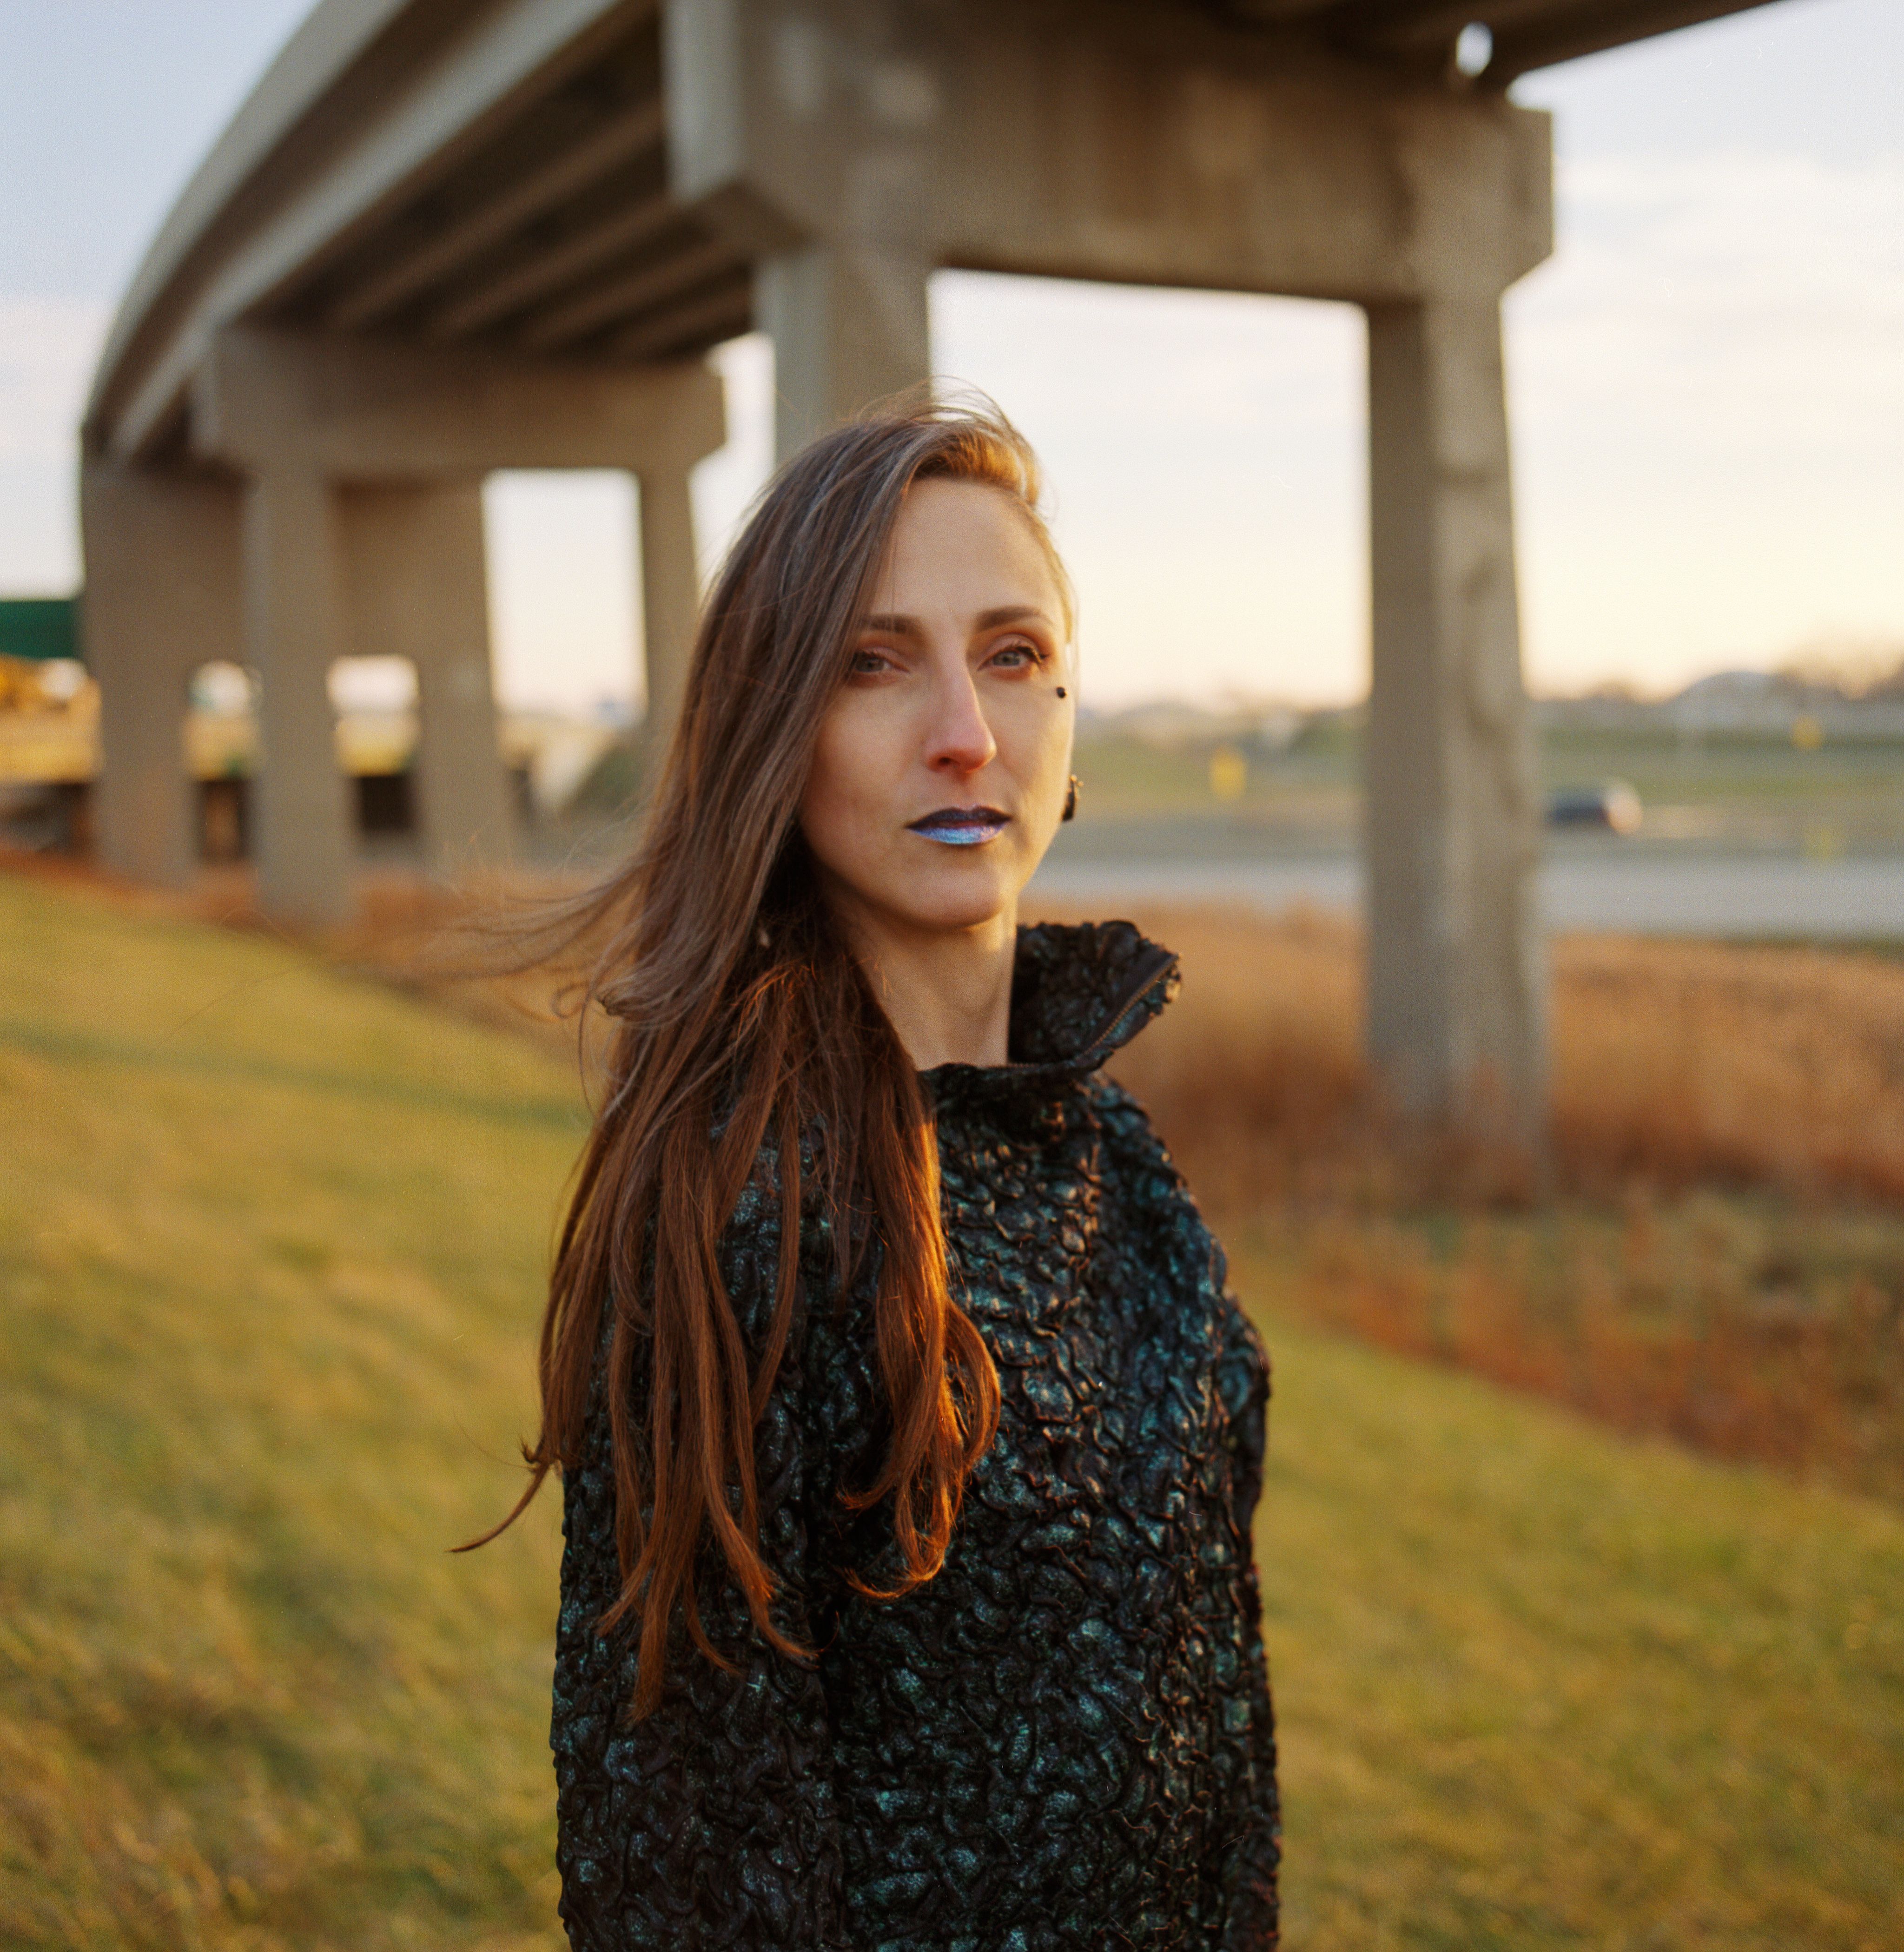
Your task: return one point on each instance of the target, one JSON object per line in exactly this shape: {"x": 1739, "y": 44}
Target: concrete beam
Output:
{"x": 1456, "y": 980}
{"x": 454, "y": 245}
{"x": 549, "y": 270}
{"x": 367, "y": 410}
{"x": 722, "y": 310}
{"x": 1138, "y": 146}
{"x": 1100, "y": 139}
{"x": 629, "y": 293}
{"x": 162, "y": 597}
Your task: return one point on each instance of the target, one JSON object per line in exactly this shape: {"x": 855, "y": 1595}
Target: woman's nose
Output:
{"x": 960, "y": 740}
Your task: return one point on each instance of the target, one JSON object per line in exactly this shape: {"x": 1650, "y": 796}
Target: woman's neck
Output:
{"x": 946, "y": 991}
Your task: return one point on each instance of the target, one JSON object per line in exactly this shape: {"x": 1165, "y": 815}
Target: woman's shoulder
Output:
{"x": 1153, "y": 1194}
{"x": 1131, "y": 1141}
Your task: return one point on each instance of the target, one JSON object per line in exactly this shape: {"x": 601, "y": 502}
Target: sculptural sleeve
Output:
{"x": 711, "y": 1822}
{"x": 1253, "y": 1859}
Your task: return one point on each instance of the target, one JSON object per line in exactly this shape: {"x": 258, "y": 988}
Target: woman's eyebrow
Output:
{"x": 891, "y": 624}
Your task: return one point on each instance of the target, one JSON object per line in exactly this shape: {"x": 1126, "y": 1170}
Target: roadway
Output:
{"x": 1694, "y": 894}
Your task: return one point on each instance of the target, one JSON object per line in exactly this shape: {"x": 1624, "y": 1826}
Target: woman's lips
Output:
{"x": 960, "y": 826}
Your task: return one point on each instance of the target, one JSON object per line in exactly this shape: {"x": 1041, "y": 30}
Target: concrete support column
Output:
{"x": 848, "y": 321}
{"x": 294, "y": 624}
{"x": 1456, "y": 978}
{"x": 417, "y": 589}
{"x": 670, "y": 598}
{"x": 162, "y": 597}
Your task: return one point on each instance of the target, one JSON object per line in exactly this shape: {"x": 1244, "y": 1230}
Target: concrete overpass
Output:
{"x": 445, "y": 236}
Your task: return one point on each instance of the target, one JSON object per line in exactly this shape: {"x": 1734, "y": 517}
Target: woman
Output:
{"x": 909, "y": 1438}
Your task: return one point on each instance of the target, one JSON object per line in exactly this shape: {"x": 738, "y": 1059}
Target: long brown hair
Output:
{"x": 740, "y": 1018}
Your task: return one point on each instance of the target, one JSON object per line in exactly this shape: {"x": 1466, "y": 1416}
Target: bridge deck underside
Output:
{"x": 555, "y": 236}
{"x": 551, "y": 231}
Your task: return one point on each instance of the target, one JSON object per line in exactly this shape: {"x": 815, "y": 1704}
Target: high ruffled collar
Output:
{"x": 1079, "y": 992}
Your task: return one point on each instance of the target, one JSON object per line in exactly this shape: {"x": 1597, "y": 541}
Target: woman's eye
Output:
{"x": 869, "y": 664}
{"x": 1015, "y": 657}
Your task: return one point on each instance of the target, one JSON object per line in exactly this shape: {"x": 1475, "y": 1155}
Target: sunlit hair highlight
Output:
{"x": 740, "y": 1020}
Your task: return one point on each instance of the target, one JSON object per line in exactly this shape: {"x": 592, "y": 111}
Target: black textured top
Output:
{"x": 1064, "y": 1739}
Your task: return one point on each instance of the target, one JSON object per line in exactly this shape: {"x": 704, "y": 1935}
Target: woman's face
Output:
{"x": 940, "y": 775}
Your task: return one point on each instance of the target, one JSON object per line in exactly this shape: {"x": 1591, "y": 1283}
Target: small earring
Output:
{"x": 1071, "y": 799}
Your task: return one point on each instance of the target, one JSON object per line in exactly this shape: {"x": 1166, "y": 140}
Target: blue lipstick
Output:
{"x": 960, "y": 826}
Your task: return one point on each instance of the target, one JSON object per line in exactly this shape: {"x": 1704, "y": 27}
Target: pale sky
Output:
{"x": 1707, "y": 380}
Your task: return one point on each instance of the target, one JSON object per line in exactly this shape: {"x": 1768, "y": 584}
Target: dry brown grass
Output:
{"x": 1718, "y": 1257}
{"x": 1674, "y": 1063}
{"x": 1692, "y": 1062}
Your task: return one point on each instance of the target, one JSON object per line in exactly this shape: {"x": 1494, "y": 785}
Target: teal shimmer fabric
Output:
{"x": 1065, "y": 1739}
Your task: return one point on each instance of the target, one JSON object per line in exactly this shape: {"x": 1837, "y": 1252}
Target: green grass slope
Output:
{"x": 1542, "y": 1686}
{"x": 272, "y": 1243}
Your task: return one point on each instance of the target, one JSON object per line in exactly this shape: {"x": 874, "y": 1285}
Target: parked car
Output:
{"x": 1612, "y": 806}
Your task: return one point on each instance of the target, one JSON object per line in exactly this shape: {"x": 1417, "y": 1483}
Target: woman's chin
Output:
{"x": 963, "y": 892}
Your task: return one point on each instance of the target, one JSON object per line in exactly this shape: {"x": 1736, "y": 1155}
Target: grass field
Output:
{"x": 270, "y": 1244}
